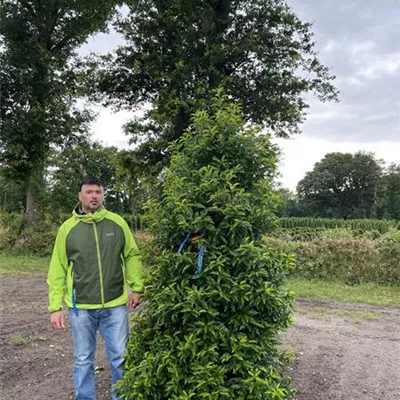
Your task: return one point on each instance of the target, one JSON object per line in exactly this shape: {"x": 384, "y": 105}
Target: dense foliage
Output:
{"x": 176, "y": 53}
{"x": 40, "y": 84}
{"x": 210, "y": 330}
{"x": 343, "y": 255}
{"x": 84, "y": 158}
{"x": 388, "y": 198}
{"x": 345, "y": 186}
{"x": 341, "y": 185}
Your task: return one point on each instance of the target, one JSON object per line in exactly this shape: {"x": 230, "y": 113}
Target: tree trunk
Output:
{"x": 32, "y": 205}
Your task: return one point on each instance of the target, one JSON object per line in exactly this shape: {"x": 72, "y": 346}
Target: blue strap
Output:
{"x": 200, "y": 261}
{"x": 200, "y": 255}
{"x": 184, "y": 242}
{"x": 74, "y": 302}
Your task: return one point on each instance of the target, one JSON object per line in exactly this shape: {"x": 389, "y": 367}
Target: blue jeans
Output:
{"x": 112, "y": 324}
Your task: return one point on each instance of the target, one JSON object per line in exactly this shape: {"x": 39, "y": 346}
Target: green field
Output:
{"x": 23, "y": 265}
{"x": 367, "y": 293}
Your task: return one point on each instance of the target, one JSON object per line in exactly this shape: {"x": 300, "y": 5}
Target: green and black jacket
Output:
{"x": 94, "y": 257}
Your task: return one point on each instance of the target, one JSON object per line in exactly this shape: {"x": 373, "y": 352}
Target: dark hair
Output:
{"x": 91, "y": 180}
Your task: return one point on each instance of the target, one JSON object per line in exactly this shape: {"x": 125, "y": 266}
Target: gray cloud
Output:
{"x": 360, "y": 42}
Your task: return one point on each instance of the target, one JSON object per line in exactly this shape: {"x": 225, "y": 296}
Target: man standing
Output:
{"x": 94, "y": 259}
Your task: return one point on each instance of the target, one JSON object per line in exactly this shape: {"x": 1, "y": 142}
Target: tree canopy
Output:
{"x": 341, "y": 185}
{"x": 177, "y": 52}
{"x": 40, "y": 84}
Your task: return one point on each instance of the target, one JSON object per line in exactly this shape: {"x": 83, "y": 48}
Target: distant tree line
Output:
{"x": 341, "y": 185}
{"x": 347, "y": 186}
{"x": 64, "y": 171}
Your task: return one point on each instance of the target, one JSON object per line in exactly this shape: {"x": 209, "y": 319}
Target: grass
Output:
{"x": 38, "y": 338}
{"x": 356, "y": 316}
{"x": 367, "y": 293}
{"x": 23, "y": 265}
{"x": 18, "y": 341}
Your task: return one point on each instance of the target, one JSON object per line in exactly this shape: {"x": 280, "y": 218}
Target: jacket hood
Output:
{"x": 89, "y": 217}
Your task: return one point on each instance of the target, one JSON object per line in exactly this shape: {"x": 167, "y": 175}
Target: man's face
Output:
{"x": 91, "y": 197}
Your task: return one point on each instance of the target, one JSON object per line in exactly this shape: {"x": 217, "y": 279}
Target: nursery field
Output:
{"x": 342, "y": 351}
{"x": 344, "y": 343}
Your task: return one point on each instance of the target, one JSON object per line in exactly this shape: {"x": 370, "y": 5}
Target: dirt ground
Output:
{"x": 342, "y": 351}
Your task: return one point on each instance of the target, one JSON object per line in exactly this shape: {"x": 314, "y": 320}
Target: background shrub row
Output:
{"x": 379, "y": 225}
{"x": 350, "y": 260}
{"x": 367, "y": 251}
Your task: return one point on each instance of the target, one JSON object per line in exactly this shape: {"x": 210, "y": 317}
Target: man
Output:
{"x": 95, "y": 257}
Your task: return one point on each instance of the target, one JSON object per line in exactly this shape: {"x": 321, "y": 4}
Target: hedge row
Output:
{"x": 307, "y": 234}
{"x": 136, "y": 222}
{"x": 350, "y": 260}
{"x": 382, "y": 226}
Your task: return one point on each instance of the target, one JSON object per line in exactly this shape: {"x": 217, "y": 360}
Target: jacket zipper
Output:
{"x": 99, "y": 263}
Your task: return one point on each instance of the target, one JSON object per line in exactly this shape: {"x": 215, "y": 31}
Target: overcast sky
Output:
{"x": 360, "y": 41}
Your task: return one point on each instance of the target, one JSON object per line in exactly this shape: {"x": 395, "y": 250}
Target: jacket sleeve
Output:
{"x": 56, "y": 278}
{"x": 133, "y": 262}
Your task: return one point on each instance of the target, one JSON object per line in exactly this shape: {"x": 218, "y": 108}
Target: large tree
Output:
{"x": 40, "y": 83}
{"x": 341, "y": 185}
{"x": 389, "y": 195}
{"x": 176, "y": 52}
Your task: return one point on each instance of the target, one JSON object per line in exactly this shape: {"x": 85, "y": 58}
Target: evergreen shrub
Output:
{"x": 211, "y": 332}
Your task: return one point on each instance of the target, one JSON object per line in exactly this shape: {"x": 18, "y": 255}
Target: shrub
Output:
{"x": 12, "y": 226}
{"x": 348, "y": 259}
{"x": 337, "y": 233}
{"x": 393, "y": 236}
{"x": 304, "y": 234}
{"x": 148, "y": 249}
{"x": 299, "y": 233}
{"x": 38, "y": 240}
{"x": 210, "y": 330}
{"x": 135, "y": 222}
{"x": 389, "y": 263}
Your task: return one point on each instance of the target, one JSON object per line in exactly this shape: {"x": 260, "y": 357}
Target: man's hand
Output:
{"x": 134, "y": 300}
{"x": 57, "y": 319}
